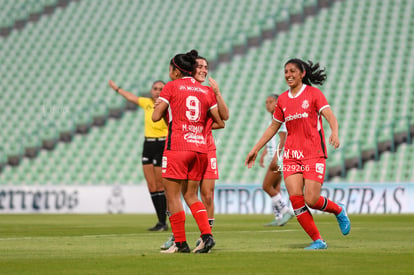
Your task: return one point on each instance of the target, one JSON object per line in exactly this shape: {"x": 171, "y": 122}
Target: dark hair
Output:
{"x": 203, "y": 58}
{"x": 314, "y": 74}
{"x": 275, "y": 96}
{"x": 157, "y": 81}
{"x": 185, "y": 63}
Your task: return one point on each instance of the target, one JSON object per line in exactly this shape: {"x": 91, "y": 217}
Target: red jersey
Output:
{"x": 302, "y": 116}
{"x": 209, "y": 126}
{"x": 189, "y": 103}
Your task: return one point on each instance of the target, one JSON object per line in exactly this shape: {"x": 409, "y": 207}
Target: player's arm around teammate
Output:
{"x": 211, "y": 174}
{"x": 221, "y": 104}
{"x": 185, "y": 156}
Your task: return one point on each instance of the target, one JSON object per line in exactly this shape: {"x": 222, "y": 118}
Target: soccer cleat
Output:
{"x": 343, "y": 221}
{"x": 285, "y": 218}
{"x": 273, "y": 223}
{"x": 318, "y": 244}
{"x": 205, "y": 245}
{"x": 170, "y": 242}
{"x": 177, "y": 248}
{"x": 159, "y": 227}
{"x": 282, "y": 221}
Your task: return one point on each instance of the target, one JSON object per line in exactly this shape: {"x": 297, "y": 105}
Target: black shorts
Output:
{"x": 153, "y": 150}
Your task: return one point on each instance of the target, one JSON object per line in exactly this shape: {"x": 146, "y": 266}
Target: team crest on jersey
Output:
{"x": 193, "y": 80}
{"x": 320, "y": 167}
{"x": 305, "y": 104}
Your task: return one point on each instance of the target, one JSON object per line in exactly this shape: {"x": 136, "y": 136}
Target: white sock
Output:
{"x": 281, "y": 205}
{"x": 276, "y": 206}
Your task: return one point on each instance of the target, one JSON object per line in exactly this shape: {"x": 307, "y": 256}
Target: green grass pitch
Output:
{"x": 121, "y": 244}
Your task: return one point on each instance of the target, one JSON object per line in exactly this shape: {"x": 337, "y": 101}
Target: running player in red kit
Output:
{"x": 304, "y": 162}
{"x": 185, "y": 156}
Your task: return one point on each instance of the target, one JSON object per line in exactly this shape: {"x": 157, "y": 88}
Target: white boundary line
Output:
{"x": 140, "y": 234}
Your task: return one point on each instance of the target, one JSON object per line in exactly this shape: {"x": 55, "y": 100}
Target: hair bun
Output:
{"x": 192, "y": 53}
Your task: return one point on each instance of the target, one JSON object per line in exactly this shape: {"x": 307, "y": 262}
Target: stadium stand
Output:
{"x": 391, "y": 167}
{"x": 16, "y": 14}
{"x": 58, "y": 67}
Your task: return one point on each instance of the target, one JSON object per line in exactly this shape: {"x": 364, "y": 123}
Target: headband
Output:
{"x": 180, "y": 67}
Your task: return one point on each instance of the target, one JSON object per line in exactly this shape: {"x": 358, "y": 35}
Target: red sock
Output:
{"x": 178, "y": 226}
{"x": 326, "y": 205}
{"x": 200, "y": 215}
{"x": 304, "y": 217}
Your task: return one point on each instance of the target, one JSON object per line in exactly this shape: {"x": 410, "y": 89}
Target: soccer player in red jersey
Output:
{"x": 211, "y": 174}
{"x": 189, "y": 104}
{"x": 304, "y": 163}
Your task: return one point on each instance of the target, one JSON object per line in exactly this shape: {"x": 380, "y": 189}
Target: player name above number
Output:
{"x": 192, "y": 128}
{"x": 193, "y": 89}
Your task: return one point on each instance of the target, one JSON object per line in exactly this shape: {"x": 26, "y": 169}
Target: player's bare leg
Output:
{"x": 207, "y": 197}
{"x": 154, "y": 182}
{"x": 271, "y": 185}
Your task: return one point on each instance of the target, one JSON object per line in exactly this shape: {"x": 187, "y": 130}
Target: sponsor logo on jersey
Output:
{"x": 194, "y": 138}
{"x": 296, "y": 116}
{"x": 305, "y": 104}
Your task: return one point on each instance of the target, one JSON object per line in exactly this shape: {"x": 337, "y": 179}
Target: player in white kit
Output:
{"x": 273, "y": 177}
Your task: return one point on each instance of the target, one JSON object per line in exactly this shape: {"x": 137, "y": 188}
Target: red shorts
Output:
{"x": 211, "y": 170}
{"x": 183, "y": 165}
{"x": 312, "y": 169}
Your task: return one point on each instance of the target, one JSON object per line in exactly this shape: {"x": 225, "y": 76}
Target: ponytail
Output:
{"x": 314, "y": 74}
